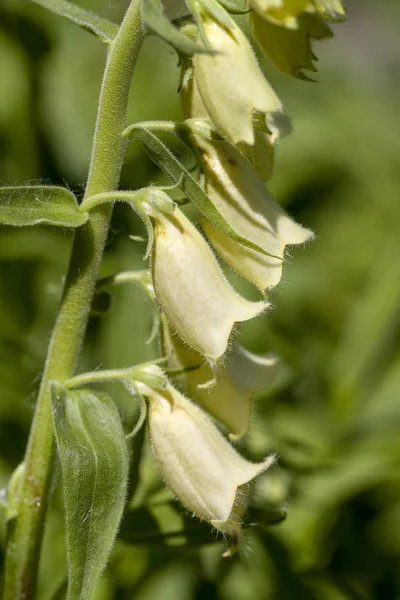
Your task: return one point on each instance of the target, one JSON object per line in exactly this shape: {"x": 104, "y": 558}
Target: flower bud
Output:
{"x": 241, "y": 197}
{"x": 197, "y": 463}
{"x": 231, "y": 83}
{"x": 224, "y": 394}
{"x": 198, "y": 302}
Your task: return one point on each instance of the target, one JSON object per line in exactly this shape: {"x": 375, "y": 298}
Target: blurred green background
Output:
{"x": 333, "y": 415}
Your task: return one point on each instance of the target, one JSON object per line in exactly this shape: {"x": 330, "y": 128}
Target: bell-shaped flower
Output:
{"x": 225, "y": 394}
{"x": 232, "y": 85}
{"x": 240, "y": 195}
{"x": 286, "y": 13}
{"x": 285, "y": 33}
{"x": 198, "y": 302}
{"x": 197, "y": 463}
{"x": 260, "y": 154}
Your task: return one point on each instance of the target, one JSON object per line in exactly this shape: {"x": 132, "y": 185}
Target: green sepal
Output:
{"x": 171, "y": 166}
{"x": 202, "y": 8}
{"x": 104, "y": 29}
{"x": 150, "y": 374}
{"x": 94, "y": 466}
{"x": 155, "y": 20}
{"x": 40, "y": 205}
{"x": 290, "y": 49}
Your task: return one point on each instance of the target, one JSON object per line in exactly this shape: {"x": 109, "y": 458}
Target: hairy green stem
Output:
{"x": 98, "y": 377}
{"x": 26, "y": 530}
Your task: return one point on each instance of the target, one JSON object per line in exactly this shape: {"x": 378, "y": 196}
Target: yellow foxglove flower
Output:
{"x": 290, "y": 49}
{"x": 282, "y": 12}
{"x": 226, "y": 394}
{"x": 284, "y": 29}
{"x": 241, "y": 197}
{"x": 199, "y": 303}
{"x": 231, "y": 84}
{"x": 197, "y": 463}
{"x": 260, "y": 154}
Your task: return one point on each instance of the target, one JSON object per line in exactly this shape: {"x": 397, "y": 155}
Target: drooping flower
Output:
{"x": 224, "y": 394}
{"x": 232, "y": 106}
{"x": 199, "y": 303}
{"x": 260, "y": 153}
{"x": 197, "y": 463}
{"x": 285, "y": 29}
{"x": 240, "y": 195}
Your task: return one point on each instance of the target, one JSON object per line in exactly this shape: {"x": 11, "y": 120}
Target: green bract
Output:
{"x": 94, "y": 466}
{"x": 156, "y": 21}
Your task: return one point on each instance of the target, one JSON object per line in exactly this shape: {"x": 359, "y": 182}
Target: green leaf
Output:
{"x": 94, "y": 465}
{"x": 39, "y": 204}
{"x": 165, "y": 159}
{"x": 290, "y": 49}
{"x": 104, "y": 29}
{"x": 154, "y": 18}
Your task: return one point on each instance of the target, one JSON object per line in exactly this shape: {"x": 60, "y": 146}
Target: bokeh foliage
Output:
{"x": 333, "y": 415}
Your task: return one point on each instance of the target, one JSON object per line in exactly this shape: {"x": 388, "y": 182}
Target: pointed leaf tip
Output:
{"x": 104, "y": 29}
{"x": 155, "y": 20}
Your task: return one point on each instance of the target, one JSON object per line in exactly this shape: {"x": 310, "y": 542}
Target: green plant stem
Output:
{"x": 26, "y": 530}
{"x": 98, "y": 377}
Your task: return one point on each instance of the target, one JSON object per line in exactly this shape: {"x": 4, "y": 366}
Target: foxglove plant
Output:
{"x": 233, "y": 120}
